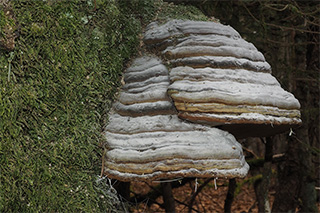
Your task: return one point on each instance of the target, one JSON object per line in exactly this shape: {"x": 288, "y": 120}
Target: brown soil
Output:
{"x": 210, "y": 199}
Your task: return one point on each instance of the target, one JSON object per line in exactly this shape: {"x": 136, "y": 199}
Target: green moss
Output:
{"x": 157, "y": 10}
{"x": 167, "y": 11}
{"x": 65, "y": 70}
{"x": 55, "y": 90}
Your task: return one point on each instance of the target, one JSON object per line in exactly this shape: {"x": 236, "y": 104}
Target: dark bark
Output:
{"x": 296, "y": 188}
{"x": 307, "y": 192}
{"x": 262, "y": 185}
{"x": 307, "y": 135}
{"x": 286, "y": 198}
{"x": 168, "y": 200}
{"x": 297, "y": 178}
{"x": 230, "y": 195}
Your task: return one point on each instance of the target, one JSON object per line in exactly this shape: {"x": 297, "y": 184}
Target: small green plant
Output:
{"x": 11, "y": 56}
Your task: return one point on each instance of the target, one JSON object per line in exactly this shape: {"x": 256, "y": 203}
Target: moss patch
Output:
{"x": 56, "y": 87}
{"x": 55, "y": 90}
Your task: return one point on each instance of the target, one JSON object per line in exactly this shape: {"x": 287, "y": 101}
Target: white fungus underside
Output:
{"x": 191, "y": 172}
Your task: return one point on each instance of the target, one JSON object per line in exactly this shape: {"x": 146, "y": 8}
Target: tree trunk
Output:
{"x": 297, "y": 178}
{"x": 307, "y": 189}
{"x": 296, "y": 186}
{"x": 288, "y": 180}
{"x": 262, "y": 185}
{"x": 311, "y": 130}
{"x": 168, "y": 200}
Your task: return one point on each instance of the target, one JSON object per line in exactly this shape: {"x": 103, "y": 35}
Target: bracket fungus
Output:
{"x": 201, "y": 75}
{"x": 218, "y": 78}
{"x": 147, "y": 140}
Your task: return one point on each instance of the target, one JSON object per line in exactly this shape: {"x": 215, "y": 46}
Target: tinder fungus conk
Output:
{"x": 147, "y": 141}
{"x": 219, "y": 79}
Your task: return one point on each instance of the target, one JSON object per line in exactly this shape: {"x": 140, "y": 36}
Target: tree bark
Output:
{"x": 288, "y": 180}
{"x": 296, "y": 186}
{"x": 168, "y": 200}
{"x": 307, "y": 192}
{"x": 262, "y": 185}
{"x": 297, "y": 178}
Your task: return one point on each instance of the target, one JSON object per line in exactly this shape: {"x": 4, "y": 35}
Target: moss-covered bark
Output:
{"x": 55, "y": 89}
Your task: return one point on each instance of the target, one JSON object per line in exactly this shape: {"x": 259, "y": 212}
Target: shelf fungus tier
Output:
{"x": 219, "y": 79}
{"x": 146, "y": 140}
{"x": 163, "y": 147}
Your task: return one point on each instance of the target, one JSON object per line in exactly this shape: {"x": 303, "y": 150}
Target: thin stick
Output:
{"x": 194, "y": 195}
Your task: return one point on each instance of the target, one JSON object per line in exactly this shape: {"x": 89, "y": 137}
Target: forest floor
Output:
{"x": 210, "y": 199}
